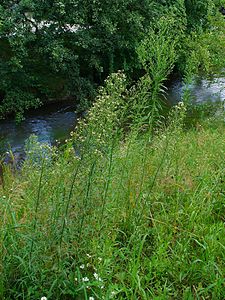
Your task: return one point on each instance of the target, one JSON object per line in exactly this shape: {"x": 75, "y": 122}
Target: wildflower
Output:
{"x": 88, "y": 255}
{"x": 91, "y": 298}
{"x": 82, "y": 266}
{"x": 85, "y": 279}
{"x": 97, "y": 277}
{"x": 113, "y": 293}
{"x": 43, "y": 298}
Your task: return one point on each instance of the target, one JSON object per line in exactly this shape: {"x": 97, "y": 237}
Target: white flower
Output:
{"x": 43, "y": 298}
{"x": 113, "y": 293}
{"x": 85, "y": 279}
{"x": 91, "y": 298}
{"x": 82, "y": 266}
{"x": 97, "y": 277}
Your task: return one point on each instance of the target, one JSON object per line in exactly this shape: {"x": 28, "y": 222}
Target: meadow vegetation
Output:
{"x": 119, "y": 212}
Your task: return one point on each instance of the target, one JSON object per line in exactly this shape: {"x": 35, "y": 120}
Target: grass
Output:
{"x": 145, "y": 221}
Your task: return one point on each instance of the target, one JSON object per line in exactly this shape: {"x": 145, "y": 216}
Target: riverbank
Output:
{"x": 53, "y": 121}
{"x": 144, "y": 220}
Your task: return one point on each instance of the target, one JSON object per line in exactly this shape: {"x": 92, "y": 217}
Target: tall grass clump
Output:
{"x": 95, "y": 132}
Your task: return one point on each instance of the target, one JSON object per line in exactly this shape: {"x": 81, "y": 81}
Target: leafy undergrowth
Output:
{"x": 145, "y": 221}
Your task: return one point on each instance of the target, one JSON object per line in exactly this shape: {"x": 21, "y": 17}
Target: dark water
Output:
{"x": 52, "y": 123}
{"x": 55, "y": 121}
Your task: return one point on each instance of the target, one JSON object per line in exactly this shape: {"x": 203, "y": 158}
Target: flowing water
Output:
{"x": 55, "y": 121}
{"x": 202, "y": 91}
{"x": 50, "y": 123}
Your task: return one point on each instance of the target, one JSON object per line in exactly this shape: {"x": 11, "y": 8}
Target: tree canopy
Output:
{"x": 62, "y": 49}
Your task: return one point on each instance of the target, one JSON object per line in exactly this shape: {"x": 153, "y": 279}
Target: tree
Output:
{"x": 52, "y": 49}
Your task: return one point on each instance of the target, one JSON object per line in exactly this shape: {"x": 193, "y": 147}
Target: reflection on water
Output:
{"x": 49, "y": 124}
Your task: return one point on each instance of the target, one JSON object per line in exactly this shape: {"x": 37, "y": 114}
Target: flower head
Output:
{"x": 85, "y": 279}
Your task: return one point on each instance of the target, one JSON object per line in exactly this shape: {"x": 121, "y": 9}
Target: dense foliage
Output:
{"x": 61, "y": 49}
{"x": 138, "y": 217}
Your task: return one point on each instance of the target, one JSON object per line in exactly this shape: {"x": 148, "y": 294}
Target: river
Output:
{"x": 50, "y": 123}
{"x": 55, "y": 121}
